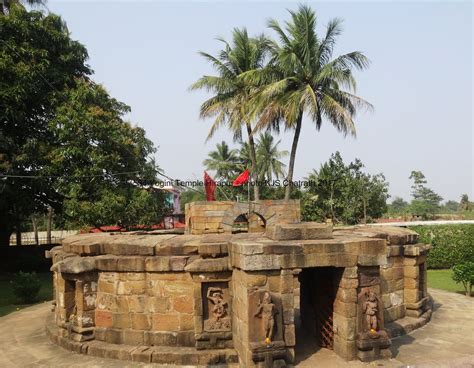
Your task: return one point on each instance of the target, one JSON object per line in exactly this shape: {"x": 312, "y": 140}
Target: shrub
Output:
{"x": 464, "y": 273}
{"x": 451, "y": 244}
{"x": 26, "y": 286}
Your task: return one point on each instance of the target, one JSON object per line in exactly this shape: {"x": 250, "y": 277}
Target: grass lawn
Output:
{"x": 8, "y": 302}
{"x": 441, "y": 279}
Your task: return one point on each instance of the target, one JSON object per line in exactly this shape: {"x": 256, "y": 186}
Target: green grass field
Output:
{"x": 8, "y": 302}
{"x": 441, "y": 279}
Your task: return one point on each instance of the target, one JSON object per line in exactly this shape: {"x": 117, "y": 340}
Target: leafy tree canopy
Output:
{"x": 63, "y": 137}
{"x": 465, "y": 204}
{"x": 398, "y": 206}
{"x": 425, "y": 201}
{"x": 344, "y": 193}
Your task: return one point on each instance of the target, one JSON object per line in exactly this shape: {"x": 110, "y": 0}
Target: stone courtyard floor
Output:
{"x": 447, "y": 341}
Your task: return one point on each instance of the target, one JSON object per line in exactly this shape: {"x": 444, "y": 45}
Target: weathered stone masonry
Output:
{"x": 213, "y": 297}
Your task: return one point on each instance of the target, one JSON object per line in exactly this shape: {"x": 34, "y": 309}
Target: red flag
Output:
{"x": 210, "y": 186}
{"x": 241, "y": 179}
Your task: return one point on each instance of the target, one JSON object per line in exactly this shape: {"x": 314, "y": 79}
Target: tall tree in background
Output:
{"x": 224, "y": 161}
{"x": 304, "y": 78}
{"x": 269, "y": 156}
{"x": 425, "y": 201}
{"x": 398, "y": 206}
{"x": 465, "y": 204}
{"x": 229, "y": 106}
{"x": 344, "y": 193}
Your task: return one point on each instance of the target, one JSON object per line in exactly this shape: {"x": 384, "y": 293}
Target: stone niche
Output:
{"x": 211, "y": 297}
{"x": 372, "y": 339}
{"x": 213, "y": 311}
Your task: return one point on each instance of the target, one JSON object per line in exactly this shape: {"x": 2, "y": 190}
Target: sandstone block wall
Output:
{"x": 145, "y": 308}
{"x": 219, "y": 216}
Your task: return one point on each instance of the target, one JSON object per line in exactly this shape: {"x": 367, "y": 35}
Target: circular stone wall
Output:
{"x": 194, "y": 299}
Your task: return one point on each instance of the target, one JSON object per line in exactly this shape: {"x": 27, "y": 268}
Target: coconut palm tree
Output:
{"x": 229, "y": 105}
{"x": 224, "y": 161}
{"x": 269, "y": 157}
{"x": 5, "y": 5}
{"x": 245, "y": 159}
{"x": 304, "y": 78}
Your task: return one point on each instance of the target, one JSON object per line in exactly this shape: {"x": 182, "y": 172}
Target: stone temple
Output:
{"x": 246, "y": 286}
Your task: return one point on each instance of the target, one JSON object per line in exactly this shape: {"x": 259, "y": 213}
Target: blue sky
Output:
{"x": 420, "y": 81}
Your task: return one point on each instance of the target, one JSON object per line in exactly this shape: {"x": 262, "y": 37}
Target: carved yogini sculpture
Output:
{"x": 371, "y": 311}
{"x": 219, "y": 309}
{"x": 267, "y": 310}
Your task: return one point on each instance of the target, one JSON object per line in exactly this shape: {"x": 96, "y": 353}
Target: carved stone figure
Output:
{"x": 219, "y": 319}
{"x": 267, "y": 311}
{"x": 371, "y": 311}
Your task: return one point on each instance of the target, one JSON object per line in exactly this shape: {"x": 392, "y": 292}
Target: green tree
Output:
{"x": 464, "y": 273}
{"x": 425, "y": 201}
{"x": 398, "y": 206}
{"x": 230, "y": 103}
{"x": 344, "y": 193}
{"x": 304, "y": 78}
{"x": 104, "y": 167}
{"x": 450, "y": 207}
{"x": 38, "y": 62}
{"x": 268, "y": 158}
{"x": 224, "y": 161}
{"x": 465, "y": 205}
{"x": 63, "y": 139}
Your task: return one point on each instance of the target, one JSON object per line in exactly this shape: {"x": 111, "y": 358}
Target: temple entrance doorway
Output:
{"x": 314, "y": 318}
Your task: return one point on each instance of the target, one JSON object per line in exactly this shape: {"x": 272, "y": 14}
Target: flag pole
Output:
{"x": 248, "y": 195}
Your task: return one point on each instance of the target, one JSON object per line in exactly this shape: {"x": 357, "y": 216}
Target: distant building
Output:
{"x": 173, "y": 197}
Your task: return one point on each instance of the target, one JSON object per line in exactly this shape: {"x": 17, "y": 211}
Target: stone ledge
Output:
{"x": 185, "y": 356}
{"x": 393, "y": 235}
{"x": 408, "y": 324}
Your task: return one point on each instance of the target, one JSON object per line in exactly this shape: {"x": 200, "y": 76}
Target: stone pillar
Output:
{"x": 415, "y": 286}
{"x": 80, "y": 305}
{"x": 344, "y": 316}
{"x": 263, "y": 317}
{"x": 392, "y": 287}
{"x": 65, "y": 294}
{"x": 240, "y": 306}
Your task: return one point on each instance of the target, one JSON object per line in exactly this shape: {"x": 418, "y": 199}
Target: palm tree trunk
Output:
{"x": 364, "y": 203}
{"x": 253, "y": 158}
{"x": 291, "y": 165}
{"x": 332, "y": 202}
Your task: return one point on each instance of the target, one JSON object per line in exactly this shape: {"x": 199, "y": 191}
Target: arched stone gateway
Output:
{"x": 219, "y": 216}
{"x": 211, "y": 297}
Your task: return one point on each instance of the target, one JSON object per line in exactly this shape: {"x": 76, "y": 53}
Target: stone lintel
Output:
{"x": 299, "y": 231}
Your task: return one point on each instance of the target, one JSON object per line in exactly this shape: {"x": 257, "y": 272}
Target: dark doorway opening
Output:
{"x": 314, "y": 319}
{"x": 241, "y": 224}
